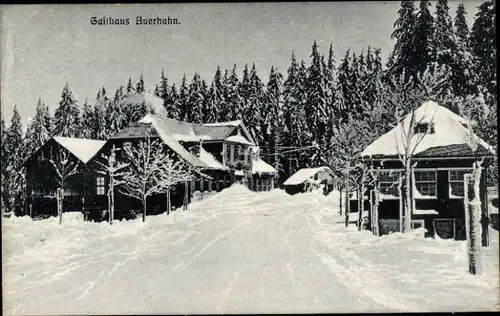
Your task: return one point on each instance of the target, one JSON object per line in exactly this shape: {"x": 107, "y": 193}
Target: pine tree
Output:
{"x": 174, "y": 109}
{"x": 115, "y": 116}
{"x": 343, "y": 89}
{"x": 233, "y": 100}
{"x": 444, "y": 41}
{"x": 139, "y": 87}
{"x": 183, "y": 103}
{"x": 67, "y": 116}
{"x": 252, "y": 112}
{"x": 483, "y": 45}
{"x": 37, "y": 134}
{"x": 244, "y": 91}
{"x": 423, "y": 42}
{"x": 48, "y": 120}
{"x": 14, "y": 147}
{"x": 215, "y": 98}
{"x": 274, "y": 128}
{"x": 130, "y": 87}
{"x": 461, "y": 28}
{"x": 402, "y": 57}
{"x": 87, "y": 121}
{"x": 4, "y": 155}
{"x": 164, "y": 93}
{"x": 100, "y": 123}
{"x": 196, "y": 99}
{"x": 316, "y": 106}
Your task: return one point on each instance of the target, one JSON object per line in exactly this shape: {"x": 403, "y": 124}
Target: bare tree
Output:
{"x": 65, "y": 166}
{"x": 115, "y": 172}
{"x": 152, "y": 170}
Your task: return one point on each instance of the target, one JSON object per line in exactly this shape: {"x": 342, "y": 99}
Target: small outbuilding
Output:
{"x": 307, "y": 179}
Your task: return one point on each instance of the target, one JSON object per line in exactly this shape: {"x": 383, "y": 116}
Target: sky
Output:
{"x": 45, "y": 46}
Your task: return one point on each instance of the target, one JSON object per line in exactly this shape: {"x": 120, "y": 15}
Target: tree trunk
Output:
{"x": 485, "y": 218}
{"x": 168, "y": 202}
{"x": 361, "y": 201}
{"x": 144, "y": 207}
{"x": 407, "y": 198}
{"x": 473, "y": 214}
{"x": 186, "y": 192}
{"x": 347, "y": 206}
{"x": 375, "y": 211}
{"x": 60, "y": 196}
{"x": 340, "y": 201}
{"x": 111, "y": 205}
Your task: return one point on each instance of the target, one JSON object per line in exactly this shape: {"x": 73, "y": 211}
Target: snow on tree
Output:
{"x": 233, "y": 100}
{"x": 100, "y": 123}
{"x": 196, "y": 100}
{"x": 65, "y": 165}
{"x": 67, "y": 115}
{"x": 164, "y": 92}
{"x": 115, "y": 171}
{"x": 14, "y": 148}
{"x": 130, "y": 87}
{"x": 87, "y": 121}
{"x": 4, "y": 156}
{"x": 174, "y": 108}
{"x": 115, "y": 116}
{"x": 183, "y": 102}
{"x": 152, "y": 170}
{"x": 424, "y": 32}
{"x": 316, "y": 106}
{"x": 214, "y": 99}
{"x": 37, "y": 133}
{"x": 139, "y": 87}
{"x": 402, "y": 56}
{"x": 274, "y": 128}
{"x": 460, "y": 23}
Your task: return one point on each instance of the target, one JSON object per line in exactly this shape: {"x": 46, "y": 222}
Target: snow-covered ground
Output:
{"x": 236, "y": 252}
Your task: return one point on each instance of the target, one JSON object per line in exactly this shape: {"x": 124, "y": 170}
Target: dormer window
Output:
{"x": 424, "y": 128}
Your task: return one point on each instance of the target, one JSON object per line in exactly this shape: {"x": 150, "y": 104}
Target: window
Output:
{"x": 389, "y": 183}
{"x": 424, "y": 128}
{"x": 241, "y": 153}
{"x": 456, "y": 180}
{"x": 100, "y": 186}
{"x": 425, "y": 183}
{"x": 417, "y": 223}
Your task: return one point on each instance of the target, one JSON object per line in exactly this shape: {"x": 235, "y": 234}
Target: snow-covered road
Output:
{"x": 236, "y": 252}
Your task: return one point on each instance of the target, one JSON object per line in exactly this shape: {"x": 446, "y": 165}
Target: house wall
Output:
{"x": 451, "y": 210}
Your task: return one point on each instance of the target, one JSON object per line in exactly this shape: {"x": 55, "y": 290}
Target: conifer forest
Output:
{"x": 322, "y": 110}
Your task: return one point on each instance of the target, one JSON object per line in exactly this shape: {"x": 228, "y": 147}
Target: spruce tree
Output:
{"x": 483, "y": 45}
{"x": 183, "y": 103}
{"x": 4, "y": 156}
{"x": 461, "y": 27}
{"x": 48, "y": 120}
{"x": 100, "y": 124}
{"x": 37, "y": 134}
{"x": 130, "y": 87}
{"x": 215, "y": 98}
{"x": 274, "y": 128}
{"x": 444, "y": 41}
{"x": 67, "y": 116}
{"x": 252, "y": 112}
{"x": 244, "y": 91}
{"x": 316, "y": 106}
{"x": 139, "y": 87}
{"x": 402, "y": 57}
{"x": 343, "y": 89}
{"x": 115, "y": 116}
{"x": 233, "y": 101}
{"x": 14, "y": 146}
{"x": 174, "y": 111}
{"x": 87, "y": 121}
{"x": 423, "y": 42}
{"x": 196, "y": 99}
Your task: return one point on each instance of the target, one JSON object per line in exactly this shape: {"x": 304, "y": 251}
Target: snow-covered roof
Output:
{"x": 239, "y": 139}
{"x": 230, "y": 123}
{"x": 209, "y": 160}
{"x": 304, "y": 174}
{"x": 449, "y": 129}
{"x": 260, "y": 166}
{"x": 83, "y": 149}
